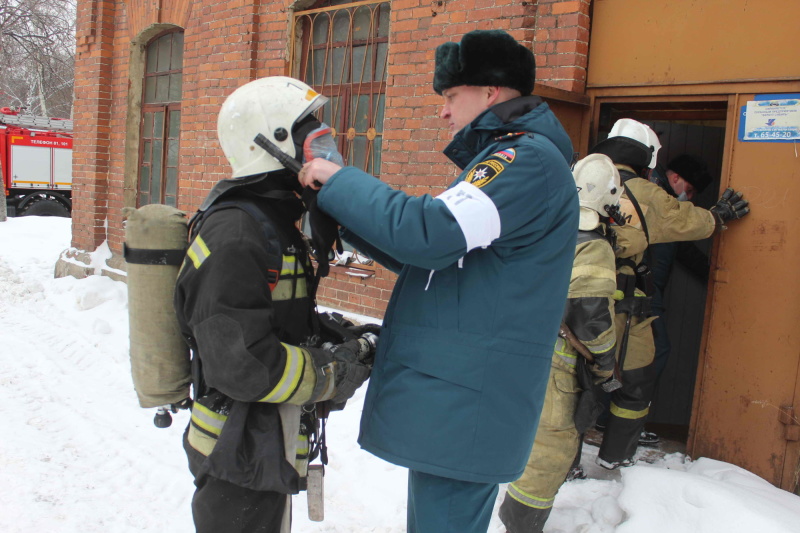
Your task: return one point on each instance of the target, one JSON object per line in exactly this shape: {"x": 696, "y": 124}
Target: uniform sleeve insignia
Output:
{"x": 489, "y": 169}
{"x": 506, "y": 155}
{"x": 483, "y": 173}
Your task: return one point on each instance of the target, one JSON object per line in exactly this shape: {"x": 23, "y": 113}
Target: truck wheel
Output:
{"x": 45, "y": 207}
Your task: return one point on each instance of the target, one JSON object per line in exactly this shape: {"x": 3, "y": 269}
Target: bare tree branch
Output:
{"x": 37, "y": 55}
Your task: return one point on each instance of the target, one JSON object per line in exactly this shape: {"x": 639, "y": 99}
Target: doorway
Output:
{"x": 696, "y": 127}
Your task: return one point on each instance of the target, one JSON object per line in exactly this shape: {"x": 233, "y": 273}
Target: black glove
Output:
{"x": 360, "y": 350}
{"x": 351, "y": 373}
{"x": 358, "y": 331}
{"x": 324, "y": 232}
{"x": 730, "y": 206}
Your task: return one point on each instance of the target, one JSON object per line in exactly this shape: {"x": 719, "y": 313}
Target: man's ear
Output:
{"x": 492, "y": 93}
{"x": 672, "y": 178}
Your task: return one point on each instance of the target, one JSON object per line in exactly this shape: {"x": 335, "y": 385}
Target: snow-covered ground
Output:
{"x": 78, "y": 455}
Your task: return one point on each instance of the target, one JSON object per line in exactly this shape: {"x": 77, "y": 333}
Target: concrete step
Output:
{"x": 647, "y": 454}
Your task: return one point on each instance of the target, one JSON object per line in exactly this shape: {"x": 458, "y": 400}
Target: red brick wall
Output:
{"x": 346, "y": 288}
{"x": 219, "y": 56}
{"x": 230, "y": 42}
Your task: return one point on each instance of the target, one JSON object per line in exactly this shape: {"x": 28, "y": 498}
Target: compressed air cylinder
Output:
{"x": 155, "y": 244}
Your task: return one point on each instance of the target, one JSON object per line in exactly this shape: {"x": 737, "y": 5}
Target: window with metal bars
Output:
{"x": 161, "y": 120}
{"x": 341, "y": 49}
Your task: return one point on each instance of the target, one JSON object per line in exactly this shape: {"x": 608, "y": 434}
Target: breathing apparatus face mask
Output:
{"x": 682, "y": 197}
{"x": 319, "y": 142}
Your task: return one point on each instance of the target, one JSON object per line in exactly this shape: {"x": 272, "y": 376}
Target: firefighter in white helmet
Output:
{"x": 245, "y": 302}
{"x": 652, "y": 216}
{"x": 571, "y": 401}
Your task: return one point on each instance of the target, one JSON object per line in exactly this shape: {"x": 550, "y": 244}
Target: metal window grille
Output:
{"x": 341, "y": 50}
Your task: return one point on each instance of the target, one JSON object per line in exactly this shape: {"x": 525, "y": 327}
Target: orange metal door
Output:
{"x": 749, "y": 375}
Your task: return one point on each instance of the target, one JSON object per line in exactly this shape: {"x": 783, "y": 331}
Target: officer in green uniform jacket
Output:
{"x": 464, "y": 357}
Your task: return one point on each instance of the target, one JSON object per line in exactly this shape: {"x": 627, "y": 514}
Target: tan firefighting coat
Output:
{"x": 665, "y": 220}
{"x": 589, "y": 314}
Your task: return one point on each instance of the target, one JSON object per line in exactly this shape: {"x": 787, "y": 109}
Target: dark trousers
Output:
{"x": 222, "y": 507}
{"x": 627, "y": 415}
{"x": 661, "y": 338}
{"x": 443, "y": 505}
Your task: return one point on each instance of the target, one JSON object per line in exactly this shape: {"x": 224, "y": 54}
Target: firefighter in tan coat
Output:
{"x": 652, "y": 216}
{"x": 589, "y": 317}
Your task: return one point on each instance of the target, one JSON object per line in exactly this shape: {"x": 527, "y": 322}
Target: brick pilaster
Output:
{"x": 92, "y": 113}
{"x": 561, "y": 43}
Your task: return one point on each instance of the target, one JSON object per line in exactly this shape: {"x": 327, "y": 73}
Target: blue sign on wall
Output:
{"x": 771, "y": 118}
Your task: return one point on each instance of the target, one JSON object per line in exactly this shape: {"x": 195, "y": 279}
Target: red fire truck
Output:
{"x": 36, "y": 163}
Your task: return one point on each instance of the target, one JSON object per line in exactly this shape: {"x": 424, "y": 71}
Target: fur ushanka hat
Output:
{"x": 692, "y": 169}
{"x": 484, "y": 58}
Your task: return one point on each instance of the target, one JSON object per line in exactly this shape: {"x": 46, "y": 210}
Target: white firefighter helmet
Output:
{"x": 270, "y": 106}
{"x": 633, "y": 129}
{"x": 599, "y": 187}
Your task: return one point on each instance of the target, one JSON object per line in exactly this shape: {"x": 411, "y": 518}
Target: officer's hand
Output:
{"x": 730, "y": 206}
{"x": 316, "y": 173}
{"x": 350, "y": 372}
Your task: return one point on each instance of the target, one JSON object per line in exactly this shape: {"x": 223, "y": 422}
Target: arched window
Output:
{"x": 161, "y": 120}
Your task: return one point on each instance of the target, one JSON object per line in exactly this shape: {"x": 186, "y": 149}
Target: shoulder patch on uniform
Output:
{"x": 484, "y": 172}
{"x": 491, "y": 167}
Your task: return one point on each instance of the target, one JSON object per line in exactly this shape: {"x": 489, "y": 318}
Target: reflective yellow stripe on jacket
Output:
{"x": 292, "y": 373}
{"x": 301, "y": 455}
{"x": 570, "y": 359}
{"x": 205, "y": 428}
{"x": 292, "y": 280}
{"x": 198, "y": 251}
